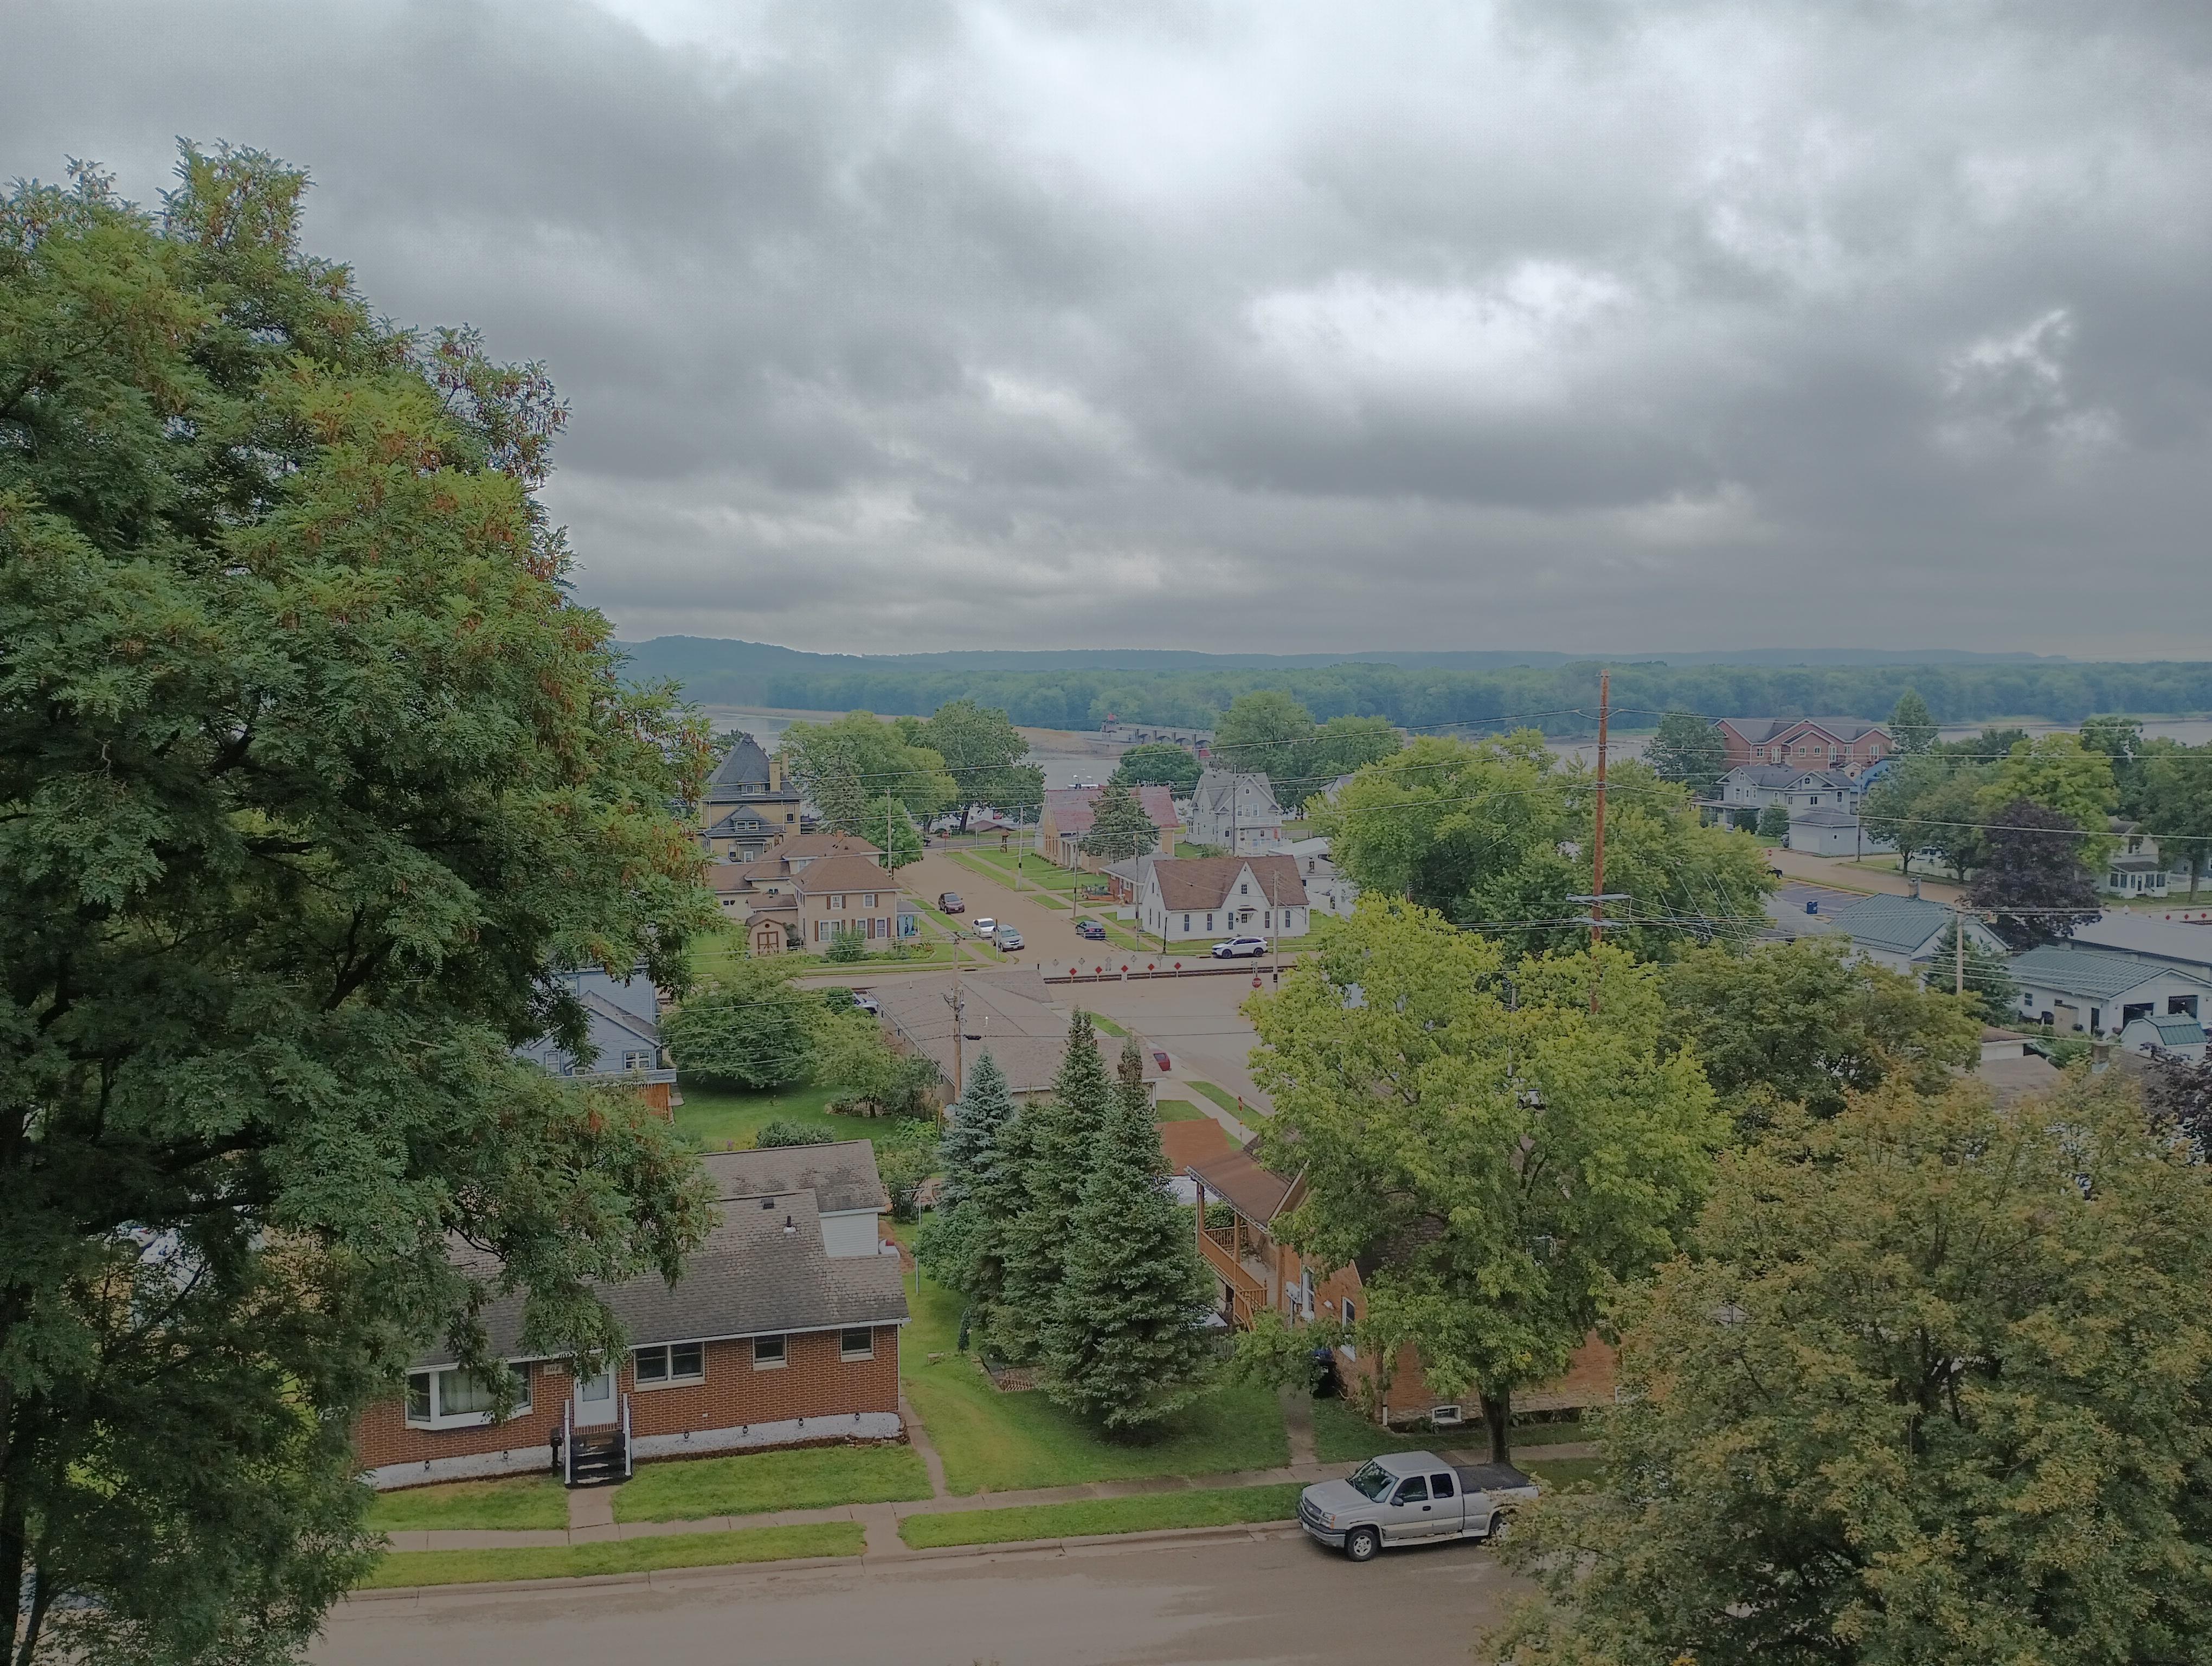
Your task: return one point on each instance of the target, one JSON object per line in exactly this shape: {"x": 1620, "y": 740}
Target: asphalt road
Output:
{"x": 1280, "y": 1599}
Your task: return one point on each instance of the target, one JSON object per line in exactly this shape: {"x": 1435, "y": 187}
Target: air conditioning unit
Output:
{"x": 1445, "y": 1417}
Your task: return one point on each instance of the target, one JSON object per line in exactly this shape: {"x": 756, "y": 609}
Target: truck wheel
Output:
{"x": 1497, "y": 1528}
{"x": 1361, "y": 1544}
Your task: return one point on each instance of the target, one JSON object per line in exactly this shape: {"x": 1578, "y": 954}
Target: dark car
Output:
{"x": 1090, "y": 930}
{"x": 949, "y": 902}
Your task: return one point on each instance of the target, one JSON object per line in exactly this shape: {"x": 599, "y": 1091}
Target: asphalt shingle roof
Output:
{"x": 1903, "y": 924}
{"x": 2071, "y": 968}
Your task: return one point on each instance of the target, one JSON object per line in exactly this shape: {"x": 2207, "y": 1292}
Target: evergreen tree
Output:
{"x": 1055, "y": 1157}
{"x": 971, "y": 1136}
{"x": 1911, "y": 725}
{"x": 1774, "y": 823}
{"x": 1120, "y": 827}
{"x": 963, "y": 1243}
{"x": 1122, "y": 1348}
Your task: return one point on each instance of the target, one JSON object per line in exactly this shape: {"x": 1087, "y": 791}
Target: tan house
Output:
{"x": 764, "y": 893}
{"x": 747, "y": 804}
{"x": 846, "y": 891}
{"x": 1238, "y": 1205}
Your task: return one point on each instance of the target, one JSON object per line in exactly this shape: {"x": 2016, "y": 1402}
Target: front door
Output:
{"x": 595, "y": 1400}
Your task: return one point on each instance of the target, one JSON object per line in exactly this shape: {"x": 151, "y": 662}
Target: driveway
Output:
{"x": 1834, "y": 871}
{"x": 1273, "y": 1598}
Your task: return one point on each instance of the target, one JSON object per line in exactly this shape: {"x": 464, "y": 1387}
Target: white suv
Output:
{"x": 1237, "y": 947}
{"x": 986, "y": 926}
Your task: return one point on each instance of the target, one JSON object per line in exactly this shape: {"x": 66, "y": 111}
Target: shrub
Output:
{"x": 846, "y": 946}
{"x": 784, "y": 1132}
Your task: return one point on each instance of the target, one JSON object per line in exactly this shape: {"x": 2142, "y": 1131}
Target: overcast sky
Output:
{"x": 1591, "y": 324}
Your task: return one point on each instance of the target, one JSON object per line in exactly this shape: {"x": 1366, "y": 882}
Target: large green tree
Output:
{"x": 1123, "y": 1346}
{"x": 1911, "y": 725}
{"x": 1491, "y": 1153}
{"x": 748, "y": 1029}
{"x": 1159, "y": 763}
{"x": 2033, "y": 881}
{"x": 2177, "y": 807}
{"x": 1056, "y": 1137}
{"x": 846, "y": 767}
{"x": 2057, "y": 772}
{"x": 964, "y": 1244}
{"x": 982, "y": 753}
{"x": 1493, "y": 834}
{"x": 310, "y": 771}
{"x": 1937, "y": 1387}
{"x": 1688, "y": 750}
{"x": 887, "y": 824}
{"x": 1120, "y": 827}
{"x": 1807, "y": 1023}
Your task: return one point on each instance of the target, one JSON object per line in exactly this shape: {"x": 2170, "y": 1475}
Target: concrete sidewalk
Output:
{"x": 882, "y": 1519}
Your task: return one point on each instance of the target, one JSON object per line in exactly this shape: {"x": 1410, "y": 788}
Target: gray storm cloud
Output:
{"x": 1274, "y": 327}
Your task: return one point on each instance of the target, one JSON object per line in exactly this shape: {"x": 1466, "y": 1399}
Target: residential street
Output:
{"x": 1274, "y": 1599}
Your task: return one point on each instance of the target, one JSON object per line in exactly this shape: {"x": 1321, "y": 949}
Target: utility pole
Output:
{"x": 959, "y": 1033}
{"x": 1959, "y": 931}
{"x": 1597, "y": 841}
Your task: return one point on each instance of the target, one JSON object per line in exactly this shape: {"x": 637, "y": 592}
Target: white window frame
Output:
{"x": 846, "y": 1351}
{"x": 637, "y": 1059}
{"x": 433, "y": 1397}
{"x": 669, "y": 1378}
{"x": 782, "y": 1342}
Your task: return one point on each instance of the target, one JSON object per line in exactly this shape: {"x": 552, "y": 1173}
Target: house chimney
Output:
{"x": 1914, "y": 881}
{"x": 789, "y": 1227}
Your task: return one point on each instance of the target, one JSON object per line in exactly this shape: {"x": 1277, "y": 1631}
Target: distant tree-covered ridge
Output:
{"x": 1558, "y": 698}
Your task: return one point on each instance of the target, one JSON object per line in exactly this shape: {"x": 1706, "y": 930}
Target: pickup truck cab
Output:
{"x": 1410, "y": 1499}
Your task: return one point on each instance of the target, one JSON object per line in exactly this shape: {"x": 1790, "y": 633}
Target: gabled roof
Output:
{"x": 2188, "y": 946}
{"x": 629, "y": 1023}
{"x": 2178, "y": 1031}
{"x": 842, "y": 1176}
{"x": 1212, "y": 794}
{"x": 2074, "y": 969}
{"x": 1824, "y": 779}
{"x": 844, "y": 871}
{"x": 1845, "y": 729}
{"x": 1901, "y": 924}
{"x": 1775, "y": 775}
{"x": 745, "y": 819}
{"x": 1237, "y": 1178}
{"x": 1756, "y": 730}
{"x": 743, "y": 773}
{"x": 1075, "y": 808}
{"x": 1204, "y": 882}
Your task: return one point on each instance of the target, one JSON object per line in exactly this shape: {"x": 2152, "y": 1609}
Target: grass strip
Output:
{"x": 1147, "y": 1512}
{"x": 1222, "y": 1096}
{"x": 510, "y": 1503}
{"x": 751, "y": 1483}
{"x": 406, "y": 1568}
{"x": 1107, "y": 1026}
{"x": 1177, "y": 1110}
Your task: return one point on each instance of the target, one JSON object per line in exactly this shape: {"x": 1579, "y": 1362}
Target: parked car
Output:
{"x": 985, "y": 926}
{"x": 1160, "y": 1058}
{"x": 1237, "y": 947}
{"x": 949, "y": 902}
{"x": 1009, "y": 938}
{"x": 1090, "y": 931}
{"x": 1411, "y": 1497}
{"x": 867, "y": 1003}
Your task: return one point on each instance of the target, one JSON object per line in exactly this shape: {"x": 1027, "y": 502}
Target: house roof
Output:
{"x": 1775, "y": 775}
{"x": 726, "y": 878}
{"x": 1237, "y": 1178}
{"x": 2015, "y": 1079}
{"x": 2178, "y": 1031}
{"x": 1756, "y": 730}
{"x": 1203, "y": 882}
{"x": 1825, "y": 818}
{"x": 848, "y": 870}
{"x": 643, "y": 1028}
{"x": 751, "y": 1277}
{"x": 2074, "y": 969}
{"x": 1823, "y": 778}
{"x": 1842, "y": 728}
{"x": 842, "y": 1176}
{"x": 2189, "y": 946}
{"x": 745, "y": 820}
{"x": 1075, "y": 808}
{"x": 1902, "y": 924}
{"x": 1214, "y": 786}
{"x": 1134, "y": 869}
{"x": 1194, "y": 1140}
{"x": 777, "y": 902}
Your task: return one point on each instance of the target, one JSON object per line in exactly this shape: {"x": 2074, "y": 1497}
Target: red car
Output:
{"x": 1161, "y": 1060}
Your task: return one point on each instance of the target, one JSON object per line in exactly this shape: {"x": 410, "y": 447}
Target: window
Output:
{"x": 869, "y": 900}
{"x": 637, "y": 1061}
{"x": 1186, "y": 923}
{"x": 2178, "y": 1005}
{"x": 1440, "y": 1486}
{"x": 838, "y": 902}
{"x": 670, "y": 1362}
{"x": 767, "y": 1353}
{"x": 1243, "y": 890}
{"x": 858, "y": 1343}
{"x": 455, "y": 1398}
{"x": 1209, "y": 922}
{"x": 1414, "y": 1489}
{"x": 1268, "y": 918}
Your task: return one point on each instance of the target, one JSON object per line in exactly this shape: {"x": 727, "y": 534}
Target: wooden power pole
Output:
{"x": 1597, "y": 839}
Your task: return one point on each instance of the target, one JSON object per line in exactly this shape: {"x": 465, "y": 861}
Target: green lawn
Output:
{"x": 1566, "y": 1472}
{"x": 1106, "y": 1026}
{"x": 1177, "y": 1110}
{"x": 753, "y": 1482}
{"x": 752, "y": 1544}
{"x": 1226, "y": 1099}
{"x": 512, "y": 1501}
{"x": 1002, "y": 1443}
{"x": 716, "y": 952}
{"x": 1550, "y": 1434}
{"x": 1215, "y": 1507}
{"x": 1341, "y": 1435}
{"x": 712, "y": 1120}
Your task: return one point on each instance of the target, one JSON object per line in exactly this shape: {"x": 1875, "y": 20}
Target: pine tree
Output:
{"x": 1122, "y": 1348}
{"x": 1055, "y": 1156}
{"x": 964, "y": 1244}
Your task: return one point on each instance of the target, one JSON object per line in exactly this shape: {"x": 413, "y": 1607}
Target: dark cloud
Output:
{"x": 1583, "y": 324}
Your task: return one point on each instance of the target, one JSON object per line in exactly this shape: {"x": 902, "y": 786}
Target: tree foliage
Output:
{"x": 1937, "y": 1387}
{"x": 1120, "y": 827}
{"x": 2177, "y": 807}
{"x": 847, "y": 766}
{"x": 1496, "y": 1152}
{"x": 2031, "y": 873}
{"x": 311, "y": 773}
{"x": 1056, "y": 1137}
{"x": 1688, "y": 751}
{"x": 2059, "y": 774}
{"x": 748, "y": 1029}
{"x": 982, "y": 754}
{"x": 965, "y": 1243}
{"x": 887, "y": 824}
{"x": 1159, "y": 763}
{"x": 1492, "y": 835}
{"x": 1991, "y": 995}
{"x": 1269, "y": 732}
{"x": 1808, "y": 1023}
{"x": 1911, "y": 725}
{"x": 1123, "y": 1346}
{"x": 872, "y": 1077}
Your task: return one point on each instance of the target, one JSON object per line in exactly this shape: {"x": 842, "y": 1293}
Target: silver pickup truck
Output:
{"x": 1410, "y": 1499}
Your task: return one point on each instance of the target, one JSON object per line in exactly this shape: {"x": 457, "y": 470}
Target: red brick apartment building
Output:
{"x": 1847, "y": 744}
{"x": 1254, "y": 1272}
{"x": 783, "y": 1331}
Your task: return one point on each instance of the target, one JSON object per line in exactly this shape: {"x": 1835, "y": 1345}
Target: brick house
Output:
{"x": 1846, "y": 744}
{"x": 1069, "y": 812}
{"x": 1255, "y": 1272}
{"x": 783, "y": 1331}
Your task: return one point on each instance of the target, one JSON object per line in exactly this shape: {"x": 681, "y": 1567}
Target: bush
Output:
{"x": 851, "y": 1053}
{"x": 846, "y": 945}
{"x": 1774, "y": 823}
{"x": 784, "y": 1132}
{"x": 750, "y": 1030}
{"x": 904, "y": 1163}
